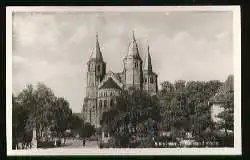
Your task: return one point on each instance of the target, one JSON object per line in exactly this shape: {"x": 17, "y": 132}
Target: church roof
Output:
{"x": 96, "y": 52}
{"x": 147, "y": 62}
{"x": 114, "y": 76}
{"x": 110, "y": 83}
{"x": 226, "y": 87}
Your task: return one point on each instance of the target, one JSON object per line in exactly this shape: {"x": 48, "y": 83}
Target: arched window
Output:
{"x": 100, "y": 103}
{"x": 145, "y": 80}
{"x": 111, "y": 103}
{"x": 151, "y": 80}
{"x": 88, "y": 67}
{"x": 99, "y": 68}
{"x": 105, "y": 103}
{"x": 136, "y": 65}
{"x": 111, "y": 94}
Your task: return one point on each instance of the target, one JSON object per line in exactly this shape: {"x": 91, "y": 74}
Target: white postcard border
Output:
{"x": 145, "y": 151}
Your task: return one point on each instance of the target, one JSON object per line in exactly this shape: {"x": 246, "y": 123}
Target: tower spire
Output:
{"x": 96, "y": 52}
{"x": 133, "y": 35}
{"x": 133, "y": 48}
{"x": 147, "y": 62}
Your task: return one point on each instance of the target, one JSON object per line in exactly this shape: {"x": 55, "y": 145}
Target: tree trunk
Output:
{"x": 226, "y": 131}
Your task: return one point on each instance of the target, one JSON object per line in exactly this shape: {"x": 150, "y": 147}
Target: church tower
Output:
{"x": 133, "y": 66}
{"x": 96, "y": 72}
{"x": 150, "y": 78}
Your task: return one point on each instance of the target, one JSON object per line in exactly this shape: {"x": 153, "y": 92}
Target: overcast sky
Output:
{"x": 54, "y": 48}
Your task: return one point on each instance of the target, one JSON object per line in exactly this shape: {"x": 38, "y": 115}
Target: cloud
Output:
{"x": 186, "y": 57}
{"x": 54, "y": 47}
{"x": 63, "y": 79}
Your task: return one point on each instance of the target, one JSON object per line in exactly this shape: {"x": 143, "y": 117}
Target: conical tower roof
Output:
{"x": 133, "y": 48}
{"x": 96, "y": 52}
{"x": 147, "y": 63}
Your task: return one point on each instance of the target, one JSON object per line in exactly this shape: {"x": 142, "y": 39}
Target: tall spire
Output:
{"x": 133, "y": 49}
{"x": 147, "y": 62}
{"x": 96, "y": 52}
{"x": 133, "y": 36}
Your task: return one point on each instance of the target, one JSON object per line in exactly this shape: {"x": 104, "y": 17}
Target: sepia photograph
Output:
{"x": 123, "y": 80}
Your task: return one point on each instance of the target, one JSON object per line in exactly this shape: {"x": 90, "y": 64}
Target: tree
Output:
{"x": 167, "y": 87}
{"x": 87, "y": 130}
{"x": 19, "y": 119}
{"x": 45, "y": 111}
{"x": 180, "y": 84}
{"x": 185, "y": 107}
{"x": 107, "y": 120}
{"x": 42, "y": 113}
{"x": 132, "y": 114}
{"x": 76, "y": 124}
{"x": 179, "y": 111}
{"x": 227, "y": 119}
{"x": 62, "y": 114}
{"x": 22, "y": 109}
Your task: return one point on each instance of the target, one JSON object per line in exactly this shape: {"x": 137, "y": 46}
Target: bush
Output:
{"x": 58, "y": 143}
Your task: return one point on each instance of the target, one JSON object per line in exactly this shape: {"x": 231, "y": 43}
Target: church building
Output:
{"x": 103, "y": 87}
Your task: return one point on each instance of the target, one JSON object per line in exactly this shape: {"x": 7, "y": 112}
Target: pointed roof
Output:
{"x": 147, "y": 63}
{"x": 110, "y": 83}
{"x": 133, "y": 48}
{"x": 96, "y": 52}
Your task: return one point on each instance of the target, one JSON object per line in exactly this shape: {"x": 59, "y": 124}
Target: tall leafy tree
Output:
{"x": 61, "y": 117}
{"x": 87, "y": 130}
{"x": 76, "y": 124}
{"x": 19, "y": 118}
{"x": 39, "y": 108}
{"x": 185, "y": 108}
{"x": 43, "y": 113}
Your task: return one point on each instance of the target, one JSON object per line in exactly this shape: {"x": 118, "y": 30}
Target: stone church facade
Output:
{"x": 103, "y": 87}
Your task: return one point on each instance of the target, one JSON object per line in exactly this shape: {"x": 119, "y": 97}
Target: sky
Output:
{"x": 54, "y": 48}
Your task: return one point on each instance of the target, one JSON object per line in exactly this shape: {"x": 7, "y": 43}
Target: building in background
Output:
{"x": 103, "y": 87}
{"x": 219, "y": 98}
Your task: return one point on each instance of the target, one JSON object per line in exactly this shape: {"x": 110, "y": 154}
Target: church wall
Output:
{"x": 216, "y": 109}
{"x": 138, "y": 76}
{"x": 100, "y": 71}
{"x": 91, "y": 108}
{"x": 133, "y": 72}
{"x": 91, "y": 79}
{"x": 106, "y": 100}
{"x": 150, "y": 82}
